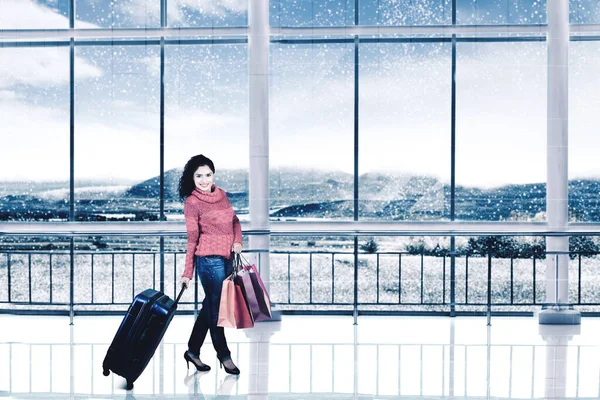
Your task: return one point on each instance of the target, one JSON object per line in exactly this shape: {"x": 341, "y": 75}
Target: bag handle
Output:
{"x": 180, "y": 294}
{"x": 243, "y": 261}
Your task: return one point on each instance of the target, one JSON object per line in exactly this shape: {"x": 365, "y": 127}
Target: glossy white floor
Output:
{"x": 316, "y": 357}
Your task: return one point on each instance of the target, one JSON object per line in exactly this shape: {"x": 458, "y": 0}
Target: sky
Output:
{"x": 404, "y": 99}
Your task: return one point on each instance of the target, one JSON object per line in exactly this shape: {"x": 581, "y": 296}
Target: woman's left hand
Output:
{"x": 236, "y": 248}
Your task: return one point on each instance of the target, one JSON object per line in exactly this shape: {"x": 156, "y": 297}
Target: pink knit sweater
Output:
{"x": 211, "y": 224}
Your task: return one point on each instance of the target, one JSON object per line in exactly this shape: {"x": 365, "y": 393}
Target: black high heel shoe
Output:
{"x": 233, "y": 371}
{"x": 200, "y": 367}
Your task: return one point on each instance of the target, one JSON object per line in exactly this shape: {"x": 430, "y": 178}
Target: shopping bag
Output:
{"x": 252, "y": 268}
{"x": 258, "y": 299}
{"x": 227, "y": 305}
{"x": 233, "y": 308}
{"x": 258, "y": 302}
{"x": 243, "y": 318}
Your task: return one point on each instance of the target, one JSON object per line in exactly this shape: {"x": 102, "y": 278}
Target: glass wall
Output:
{"x": 405, "y": 12}
{"x": 117, "y": 14}
{"x": 309, "y": 13}
{"x": 584, "y": 11}
{"x": 40, "y": 14}
{"x": 339, "y": 103}
{"x": 34, "y": 128}
{"x": 117, "y": 116}
{"x": 501, "y": 131}
{"x": 311, "y": 130}
{"x": 500, "y": 12}
{"x": 584, "y": 141}
{"x": 186, "y": 13}
{"x": 206, "y": 112}
{"x": 404, "y": 96}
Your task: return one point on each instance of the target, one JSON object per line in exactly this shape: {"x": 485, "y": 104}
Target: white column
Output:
{"x": 557, "y": 338}
{"x": 557, "y": 146}
{"x": 258, "y": 68}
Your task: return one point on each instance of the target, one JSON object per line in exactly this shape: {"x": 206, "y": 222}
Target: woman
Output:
{"x": 213, "y": 233}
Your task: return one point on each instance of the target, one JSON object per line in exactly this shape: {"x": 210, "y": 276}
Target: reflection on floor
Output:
{"x": 316, "y": 357}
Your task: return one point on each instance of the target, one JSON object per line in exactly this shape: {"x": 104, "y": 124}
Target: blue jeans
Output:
{"x": 212, "y": 271}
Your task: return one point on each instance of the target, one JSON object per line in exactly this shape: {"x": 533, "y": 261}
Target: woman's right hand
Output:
{"x": 184, "y": 281}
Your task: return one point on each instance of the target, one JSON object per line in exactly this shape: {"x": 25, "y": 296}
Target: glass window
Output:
{"x": 500, "y": 12}
{"x": 584, "y": 11}
{"x": 34, "y": 110}
{"x": 206, "y": 112}
{"x": 584, "y": 142}
{"x": 34, "y": 14}
{"x": 117, "y": 14}
{"x": 220, "y": 13}
{"x": 117, "y": 159}
{"x": 299, "y": 13}
{"x": 311, "y": 130}
{"x": 404, "y": 149}
{"x": 405, "y": 12}
{"x": 501, "y": 131}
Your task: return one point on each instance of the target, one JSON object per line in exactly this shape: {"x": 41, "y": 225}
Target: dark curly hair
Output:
{"x": 186, "y": 182}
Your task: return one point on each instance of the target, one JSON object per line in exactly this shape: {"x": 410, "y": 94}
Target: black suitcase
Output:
{"x": 141, "y": 331}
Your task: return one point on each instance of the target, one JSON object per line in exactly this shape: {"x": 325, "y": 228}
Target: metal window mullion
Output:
{"x": 163, "y": 13}
{"x": 356, "y": 127}
{"x": 162, "y": 120}
{"x": 453, "y": 12}
{"x": 72, "y": 123}
{"x": 71, "y": 14}
{"x": 453, "y": 166}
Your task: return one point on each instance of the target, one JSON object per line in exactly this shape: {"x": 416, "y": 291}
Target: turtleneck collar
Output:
{"x": 215, "y": 194}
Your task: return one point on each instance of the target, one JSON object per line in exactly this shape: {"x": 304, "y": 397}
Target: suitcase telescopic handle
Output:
{"x": 180, "y": 294}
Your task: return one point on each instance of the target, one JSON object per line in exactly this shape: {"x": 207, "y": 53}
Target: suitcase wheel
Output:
{"x": 106, "y": 372}
{"x": 129, "y": 385}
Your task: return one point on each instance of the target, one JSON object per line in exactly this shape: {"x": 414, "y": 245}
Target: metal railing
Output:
{"x": 107, "y": 281}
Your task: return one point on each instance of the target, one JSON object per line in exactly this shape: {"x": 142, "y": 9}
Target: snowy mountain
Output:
{"x": 299, "y": 193}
